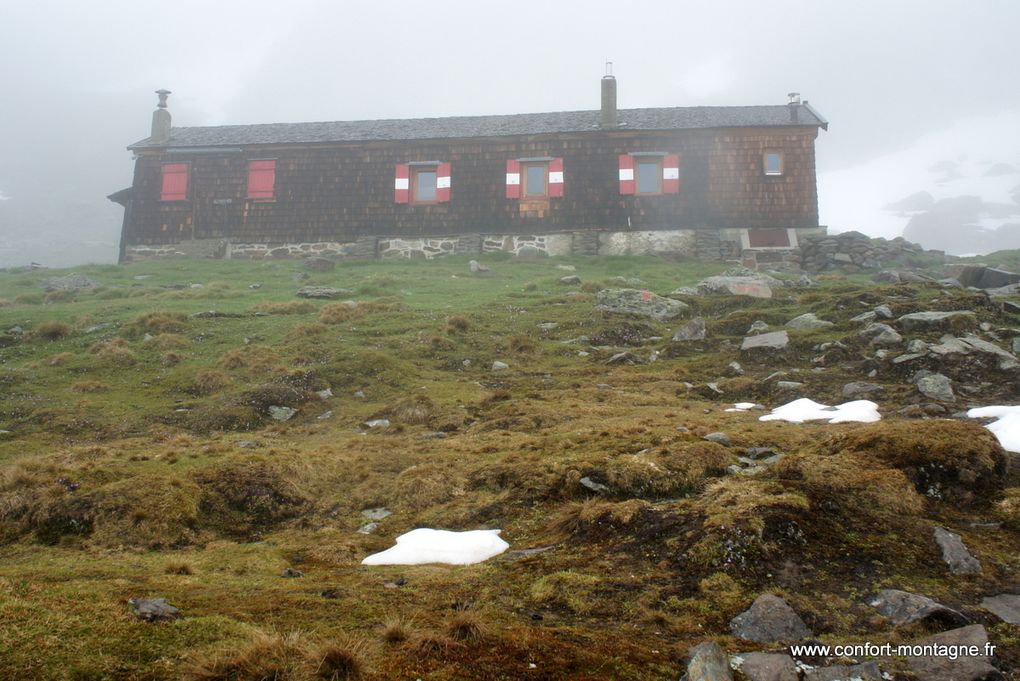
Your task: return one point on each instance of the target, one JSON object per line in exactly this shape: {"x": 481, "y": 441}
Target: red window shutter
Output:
{"x": 556, "y": 177}
{"x": 626, "y": 174}
{"x": 261, "y": 179}
{"x": 443, "y": 183}
{"x": 402, "y": 184}
{"x": 513, "y": 179}
{"x": 175, "y": 182}
{"x": 671, "y": 174}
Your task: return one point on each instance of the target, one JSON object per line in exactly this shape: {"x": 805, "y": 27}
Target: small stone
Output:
{"x": 547, "y": 326}
{"x": 734, "y": 369}
{"x": 154, "y": 609}
{"x": 691, "y": 331}
{"x": 625, "y": 358}
{"x": 858, "y": 389}
{"x": 323, "y": 292}
{"x": 767, "y": 666}
{"x": 920, "y": 321}
{"x": 280, "y": 413}
{"x": 955, "y": 553}
{"x": 789, "y": 385}
{"x": 768, "y": 620}
{"x": 247, "y": 444}
{"x": 935, "y": 386}
{"x": 720, "y": 438}
{"x": 866, "y": 671}
{"x": 1004, "y": 606}
{"x": 377, "y": 423}
{"x": 864, "y": 317}
{"x": 708, "y": 663}
{"x": 884, "y": 311}
{"x": 255, "y": 287}
{"x": 499, "y": 366}
{"x": 808, "y": 320}
{"x": 377, "y": 513}
{"x": 570, "y": 280}
{"x": 324, "y": 394}
{"x": 597, "y": 487}
{"x": 582, "y": 353}
{"x": 291, "y": 573}
{"x": 918, "y": 346}
{"x": 757, "y": 326}
{"x": 368, "y": 528}
{"x": 881, "y": 334}
{"x": 777, "y": 340}
{"x": 325, "y": 416}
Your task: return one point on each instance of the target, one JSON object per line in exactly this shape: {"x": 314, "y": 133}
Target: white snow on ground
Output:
{"x": 425, "y": 545}
{"x": 742, "y": 406}
{"x": 804, "y": 409}
{"x": 1006, "y": 427}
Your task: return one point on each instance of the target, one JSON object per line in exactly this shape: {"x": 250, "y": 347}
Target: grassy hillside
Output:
{"x": 141, "y": 458}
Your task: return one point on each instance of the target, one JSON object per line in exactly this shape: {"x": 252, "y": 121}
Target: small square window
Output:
{"x": 424, "y": 184}
{"x": 535, "y": 176}
{"x": 773, "y": 162}
{"x": 649, "y": 175}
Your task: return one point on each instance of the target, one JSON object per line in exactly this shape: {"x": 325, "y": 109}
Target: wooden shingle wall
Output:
{"x": 340, "y": 192}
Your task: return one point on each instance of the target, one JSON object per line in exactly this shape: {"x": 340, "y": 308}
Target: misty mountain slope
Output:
{"x": 957, "y": 190}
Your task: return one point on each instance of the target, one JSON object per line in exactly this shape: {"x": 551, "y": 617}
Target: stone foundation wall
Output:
{"x": 706, "y": 244}
{"x": 854, "y": 252}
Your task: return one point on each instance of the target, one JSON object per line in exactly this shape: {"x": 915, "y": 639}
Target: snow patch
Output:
{"x": 425, "y": 545}
{"x": 1006, "y": 426}
{"x": 742, "y": 406}
{"x": 804, "y": 409}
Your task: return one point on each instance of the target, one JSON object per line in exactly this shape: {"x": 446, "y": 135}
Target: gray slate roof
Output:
{"x": 676, "y": 118}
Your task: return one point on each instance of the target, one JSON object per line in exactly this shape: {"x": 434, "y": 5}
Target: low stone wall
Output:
{"x": 706, "y": 244}
{"x": 854, "y": 252}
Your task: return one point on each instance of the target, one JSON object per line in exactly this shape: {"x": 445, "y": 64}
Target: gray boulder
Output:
{"x": 323, "y": 292}
{"x": 719, "y": 438}
{"x": 757, "y": 286}
{"x": 884, "y": 311}
{"x": 1004, "y": 606}
{"x": 954, "y": 668}
{"x": 934, "y": 386}
{"x": 757, "y": 326}
{"x": 377, "y": 513}
{"x": 903, "y": 607}
{"x": 769, "y": 620}
{"x": 691, "y": 331}
{"x": 154, "y": 609}
{"x": 858, "y": 389}
{"x": 766, "y": 666}
{"x": 776, "y": 340}
{"x": 881, "y": 334}
{"x": 281, "y": 413}
{"x": 808, "y": 320}
{"x": 570, "y": 280}
{"x": 708, "y": 663}
{"x": 924, "y": 321}
{"x": 628, "y": 301}
{"x": 866, "y": 671}
{"x": 987, "y": 277}
{"x": 955, "y": 553}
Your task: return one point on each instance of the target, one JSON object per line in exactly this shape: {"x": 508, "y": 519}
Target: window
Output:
{"x": 262, "y": 179}
{"x": 534, "y": 178}
{"x": 649, "y": 173}
{"x": 772, "y": 162}
{"x": 423, "y": 182}
{"x": 175, "y": 182}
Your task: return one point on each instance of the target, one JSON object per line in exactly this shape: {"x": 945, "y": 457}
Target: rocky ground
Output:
{"x": 196, "y": 457}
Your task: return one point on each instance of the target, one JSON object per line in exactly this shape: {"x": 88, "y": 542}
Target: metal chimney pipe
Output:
{"x": 161, "y": 120}
{"x": 608, "y": 118}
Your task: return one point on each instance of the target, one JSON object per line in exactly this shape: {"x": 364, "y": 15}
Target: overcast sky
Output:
{"x": 78, "y": 77}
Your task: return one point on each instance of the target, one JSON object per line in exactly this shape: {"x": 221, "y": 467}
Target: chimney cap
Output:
{"x": 609, "y": 70}
{"x": 794, "y": 97}
{"x": 163, "y": 94}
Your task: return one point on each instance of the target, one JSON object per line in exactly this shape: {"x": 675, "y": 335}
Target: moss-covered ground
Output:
{"x": 140, "y": 458}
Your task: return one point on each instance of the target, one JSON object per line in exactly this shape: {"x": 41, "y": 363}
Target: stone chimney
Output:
{"x": 161, "y": 120}
{"x": 794, "y": 105}
{"x": 608, "y": 120}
